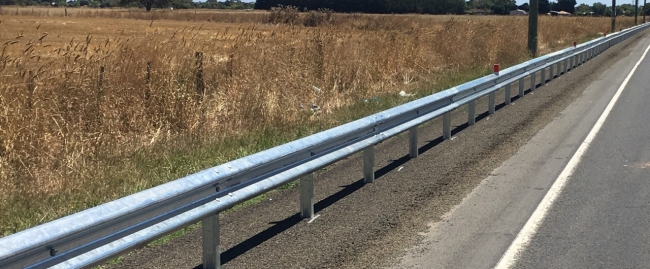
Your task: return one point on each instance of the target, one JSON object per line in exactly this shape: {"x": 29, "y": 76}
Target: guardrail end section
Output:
{"x": 210, "y": 237}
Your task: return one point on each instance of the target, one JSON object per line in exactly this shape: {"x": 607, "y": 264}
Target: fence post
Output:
{"x": 369, "y": 164}
{"x": 229, "y": 68}
{"x": 147, "y": 93}
{"x": 200, "y": 86}
{"x": 307, "y": 196}
{"x": 30, "y": 88}
{"x": 100, "y": 89}
{"x": 210, "y": 241}
{"x": 413, "y": 142}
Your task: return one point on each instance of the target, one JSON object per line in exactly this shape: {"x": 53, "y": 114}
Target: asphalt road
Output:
{"x": 458, "y": 205}
{"x": 601, "y": 218}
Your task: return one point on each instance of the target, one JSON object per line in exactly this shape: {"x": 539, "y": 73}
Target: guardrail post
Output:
{"x": 543, "y": 76}
{"x": 571, "y": 66}
{"x": 471, "y": 112}
{"x": 307, "y": 196}
{"x": 533, "y": 81}
{"x": 446, "y": 125}
{"x": 413, "y": 142}
{"x": 581, "y": 58}
{"x": 521, "y": 88}
{"x": 550, "y": 72}
{"x": 491, "y": 102}
{"x": 211, "y": 234}
{"x": 507, "y": 93}
{"x": 369, "y": 164}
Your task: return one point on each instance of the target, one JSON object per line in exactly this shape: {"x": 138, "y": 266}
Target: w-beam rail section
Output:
{"x": 92, "y": 236}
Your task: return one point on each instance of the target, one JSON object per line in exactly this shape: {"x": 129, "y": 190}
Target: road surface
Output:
{"x": 463, "y": 201}
{"x": 600, "y": 217}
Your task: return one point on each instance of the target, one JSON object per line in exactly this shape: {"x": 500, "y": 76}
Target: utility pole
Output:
{"x": 636, "y": 12}
{"x": 613, "y": 16}
{"x": 532, "y": 27}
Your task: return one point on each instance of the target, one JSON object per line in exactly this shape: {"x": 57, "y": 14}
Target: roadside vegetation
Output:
{"x": 93, "y": 109}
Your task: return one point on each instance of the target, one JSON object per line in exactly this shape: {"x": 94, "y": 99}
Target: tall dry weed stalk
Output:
{"x": 67, "y": 111}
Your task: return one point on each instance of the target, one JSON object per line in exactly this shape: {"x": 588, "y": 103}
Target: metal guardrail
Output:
{"x": 95, "y": 235}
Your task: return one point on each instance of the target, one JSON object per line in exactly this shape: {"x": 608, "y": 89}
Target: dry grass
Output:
{"x": 72, "y": 136}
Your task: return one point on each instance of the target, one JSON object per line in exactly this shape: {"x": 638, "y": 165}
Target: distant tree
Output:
{"x": 626, "y": 9}
{"x": 181, "y": 4}
{"x": 503, "y": 7}
{"x": 567, "y": 5}
{"x": 543, "y": 7}
{"x": 583, "y": 9}
{"x": 599, "y": 9}
{"x": 481, "y": 4}
{"x": 148, "y": 4}
{"x": 524, "y": 6}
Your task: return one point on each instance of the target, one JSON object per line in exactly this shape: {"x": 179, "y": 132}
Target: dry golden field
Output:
{"x": 104, "y": 103}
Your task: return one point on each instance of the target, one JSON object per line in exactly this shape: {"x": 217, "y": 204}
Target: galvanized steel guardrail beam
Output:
{"x": 97, "y": 234}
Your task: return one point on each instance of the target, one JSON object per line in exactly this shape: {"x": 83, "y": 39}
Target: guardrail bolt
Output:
{"x": 52, "y": 252}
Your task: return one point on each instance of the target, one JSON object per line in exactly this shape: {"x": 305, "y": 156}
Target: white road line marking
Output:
{"x": 530, "y": 228}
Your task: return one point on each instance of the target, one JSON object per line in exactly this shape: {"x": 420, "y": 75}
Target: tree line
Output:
{"x": 600, "y": 9}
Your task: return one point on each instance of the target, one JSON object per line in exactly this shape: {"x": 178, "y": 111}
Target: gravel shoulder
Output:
{"x": 371, "y": 225}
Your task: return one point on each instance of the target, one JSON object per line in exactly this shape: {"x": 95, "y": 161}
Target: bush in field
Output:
{"x": 284, "y": 15}
{"x": 320, "y": 17}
